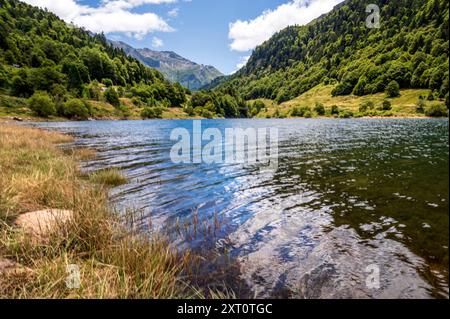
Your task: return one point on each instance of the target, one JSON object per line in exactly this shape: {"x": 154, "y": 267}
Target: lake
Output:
{"x": 358, "y": 208}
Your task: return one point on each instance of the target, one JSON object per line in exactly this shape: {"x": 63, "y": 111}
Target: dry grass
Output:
{"x": 403, "y": 106}
{"x": 108, "y": 177}
{"x": 114, "y": 261}
{"x": 83, "y": 154}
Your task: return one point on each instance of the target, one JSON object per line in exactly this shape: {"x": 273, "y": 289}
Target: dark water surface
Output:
{"x": 348, "y": 194}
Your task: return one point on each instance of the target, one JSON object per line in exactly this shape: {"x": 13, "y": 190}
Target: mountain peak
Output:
{"x": 175, "y": 67}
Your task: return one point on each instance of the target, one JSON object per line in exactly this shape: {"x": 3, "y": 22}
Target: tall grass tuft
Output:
{"x": 108, "y": 177}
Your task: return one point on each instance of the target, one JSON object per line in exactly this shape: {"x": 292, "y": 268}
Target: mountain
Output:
{"x": 173, "y": 66}
{"x": 41, "y": 54}
{"x": 411, "y": 47}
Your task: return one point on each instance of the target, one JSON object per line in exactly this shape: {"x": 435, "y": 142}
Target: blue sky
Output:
{"x": 202, "y": 28}
{"x": 215, "y": 32}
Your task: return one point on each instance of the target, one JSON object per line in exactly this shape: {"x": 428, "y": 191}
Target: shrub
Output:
{"x": 437, "y": 110}
{"x": 277, "y": 113}
{"x": 4, "y": 80}
{"x": 366, "y": 106}
{"x": 189, "y": 110}
{"x": 107, "y": 82}
{"x": 41, "y": 104}
{"x": 345, "y": 114}
{"x": 93, "y": 90}
{"x": 120, "y": 91}
{"x": 75, "y": 108}
{"x": 21, "y": 87}
{"x": 319, "y": 109}
{"x": 207, "y": 114}
{"x": 152, "y": 113}
{"x": 334, "y": 110}
{"x": 308, "y": 114}
{"x": 360, "y": 88}
{"x": 420, "y": 108}
{"x": 300, "y": 111}
{"x": 387, "y": 113}
{"x": 387, "y": 106}
{"x": 393, "y": 89}
{"x": 256, "y": 107}
{"x": 136, "y": 101}
{"x": 125, "y": 110}
{"x": 112, "y": 97}
{"x": 430, "y": 97}
{"x": 344, "y": 88}
{"x": 12, "y": 102}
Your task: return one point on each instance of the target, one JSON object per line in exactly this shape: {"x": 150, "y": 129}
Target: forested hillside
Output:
{"x": 409, "y": 50}
{"x": 54, "y": 63}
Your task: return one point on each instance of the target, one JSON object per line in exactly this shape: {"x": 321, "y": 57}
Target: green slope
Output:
{"x": 41, "y": 54}
{"x": 404, "y": 105}
{"x": 411, "y": 47}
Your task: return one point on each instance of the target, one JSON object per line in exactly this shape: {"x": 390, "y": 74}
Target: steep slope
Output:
{"x": 411, "y": 47}
{"x": 40, "y": 53}
{"x": 173, "y": 66}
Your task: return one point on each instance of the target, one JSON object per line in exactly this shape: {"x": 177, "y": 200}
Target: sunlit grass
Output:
{"x": 108, "y": 177}
{"x": 114, "y": 261}
{"x": 404, "y": 105}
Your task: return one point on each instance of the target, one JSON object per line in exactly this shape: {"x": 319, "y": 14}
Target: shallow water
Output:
{"x": 348, "y": 195}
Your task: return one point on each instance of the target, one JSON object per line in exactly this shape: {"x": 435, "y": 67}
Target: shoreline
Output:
{"x": 115, "y": 261}
{"x": 11, "y": 120}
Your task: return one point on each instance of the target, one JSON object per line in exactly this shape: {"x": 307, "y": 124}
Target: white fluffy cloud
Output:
{"x": 110, "y": 16}
{"x": 129, "y": 4}
{"x": 246, "y": 35}
{"x": 157, "y": 42}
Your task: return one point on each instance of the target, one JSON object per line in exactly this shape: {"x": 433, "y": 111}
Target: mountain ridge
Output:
{"x": 175, "y": 67}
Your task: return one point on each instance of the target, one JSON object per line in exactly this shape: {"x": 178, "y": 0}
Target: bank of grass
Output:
{"x": 403, "y": 106}
{"x": 109, "y": 177}
{"x": 15, "y": 107}
{"x": 18, "y": 107}
{"x": 114, "y": 261}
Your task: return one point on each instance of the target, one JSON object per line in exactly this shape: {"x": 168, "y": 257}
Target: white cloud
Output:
{"x": 111, "y": 16}
{"x": 123, "y": 21}
{"x": 129, "y": 4}
{"x": 157, "y": 42}
{"x": 173, "y": 13}
{"x": 246, "y": 35}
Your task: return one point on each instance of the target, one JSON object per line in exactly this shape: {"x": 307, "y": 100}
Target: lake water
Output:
{"x": 351, "y": 200}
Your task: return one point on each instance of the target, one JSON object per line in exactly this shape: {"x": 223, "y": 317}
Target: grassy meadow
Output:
{"x": 11, "y": 107}
{"x": 403, "y": 106}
